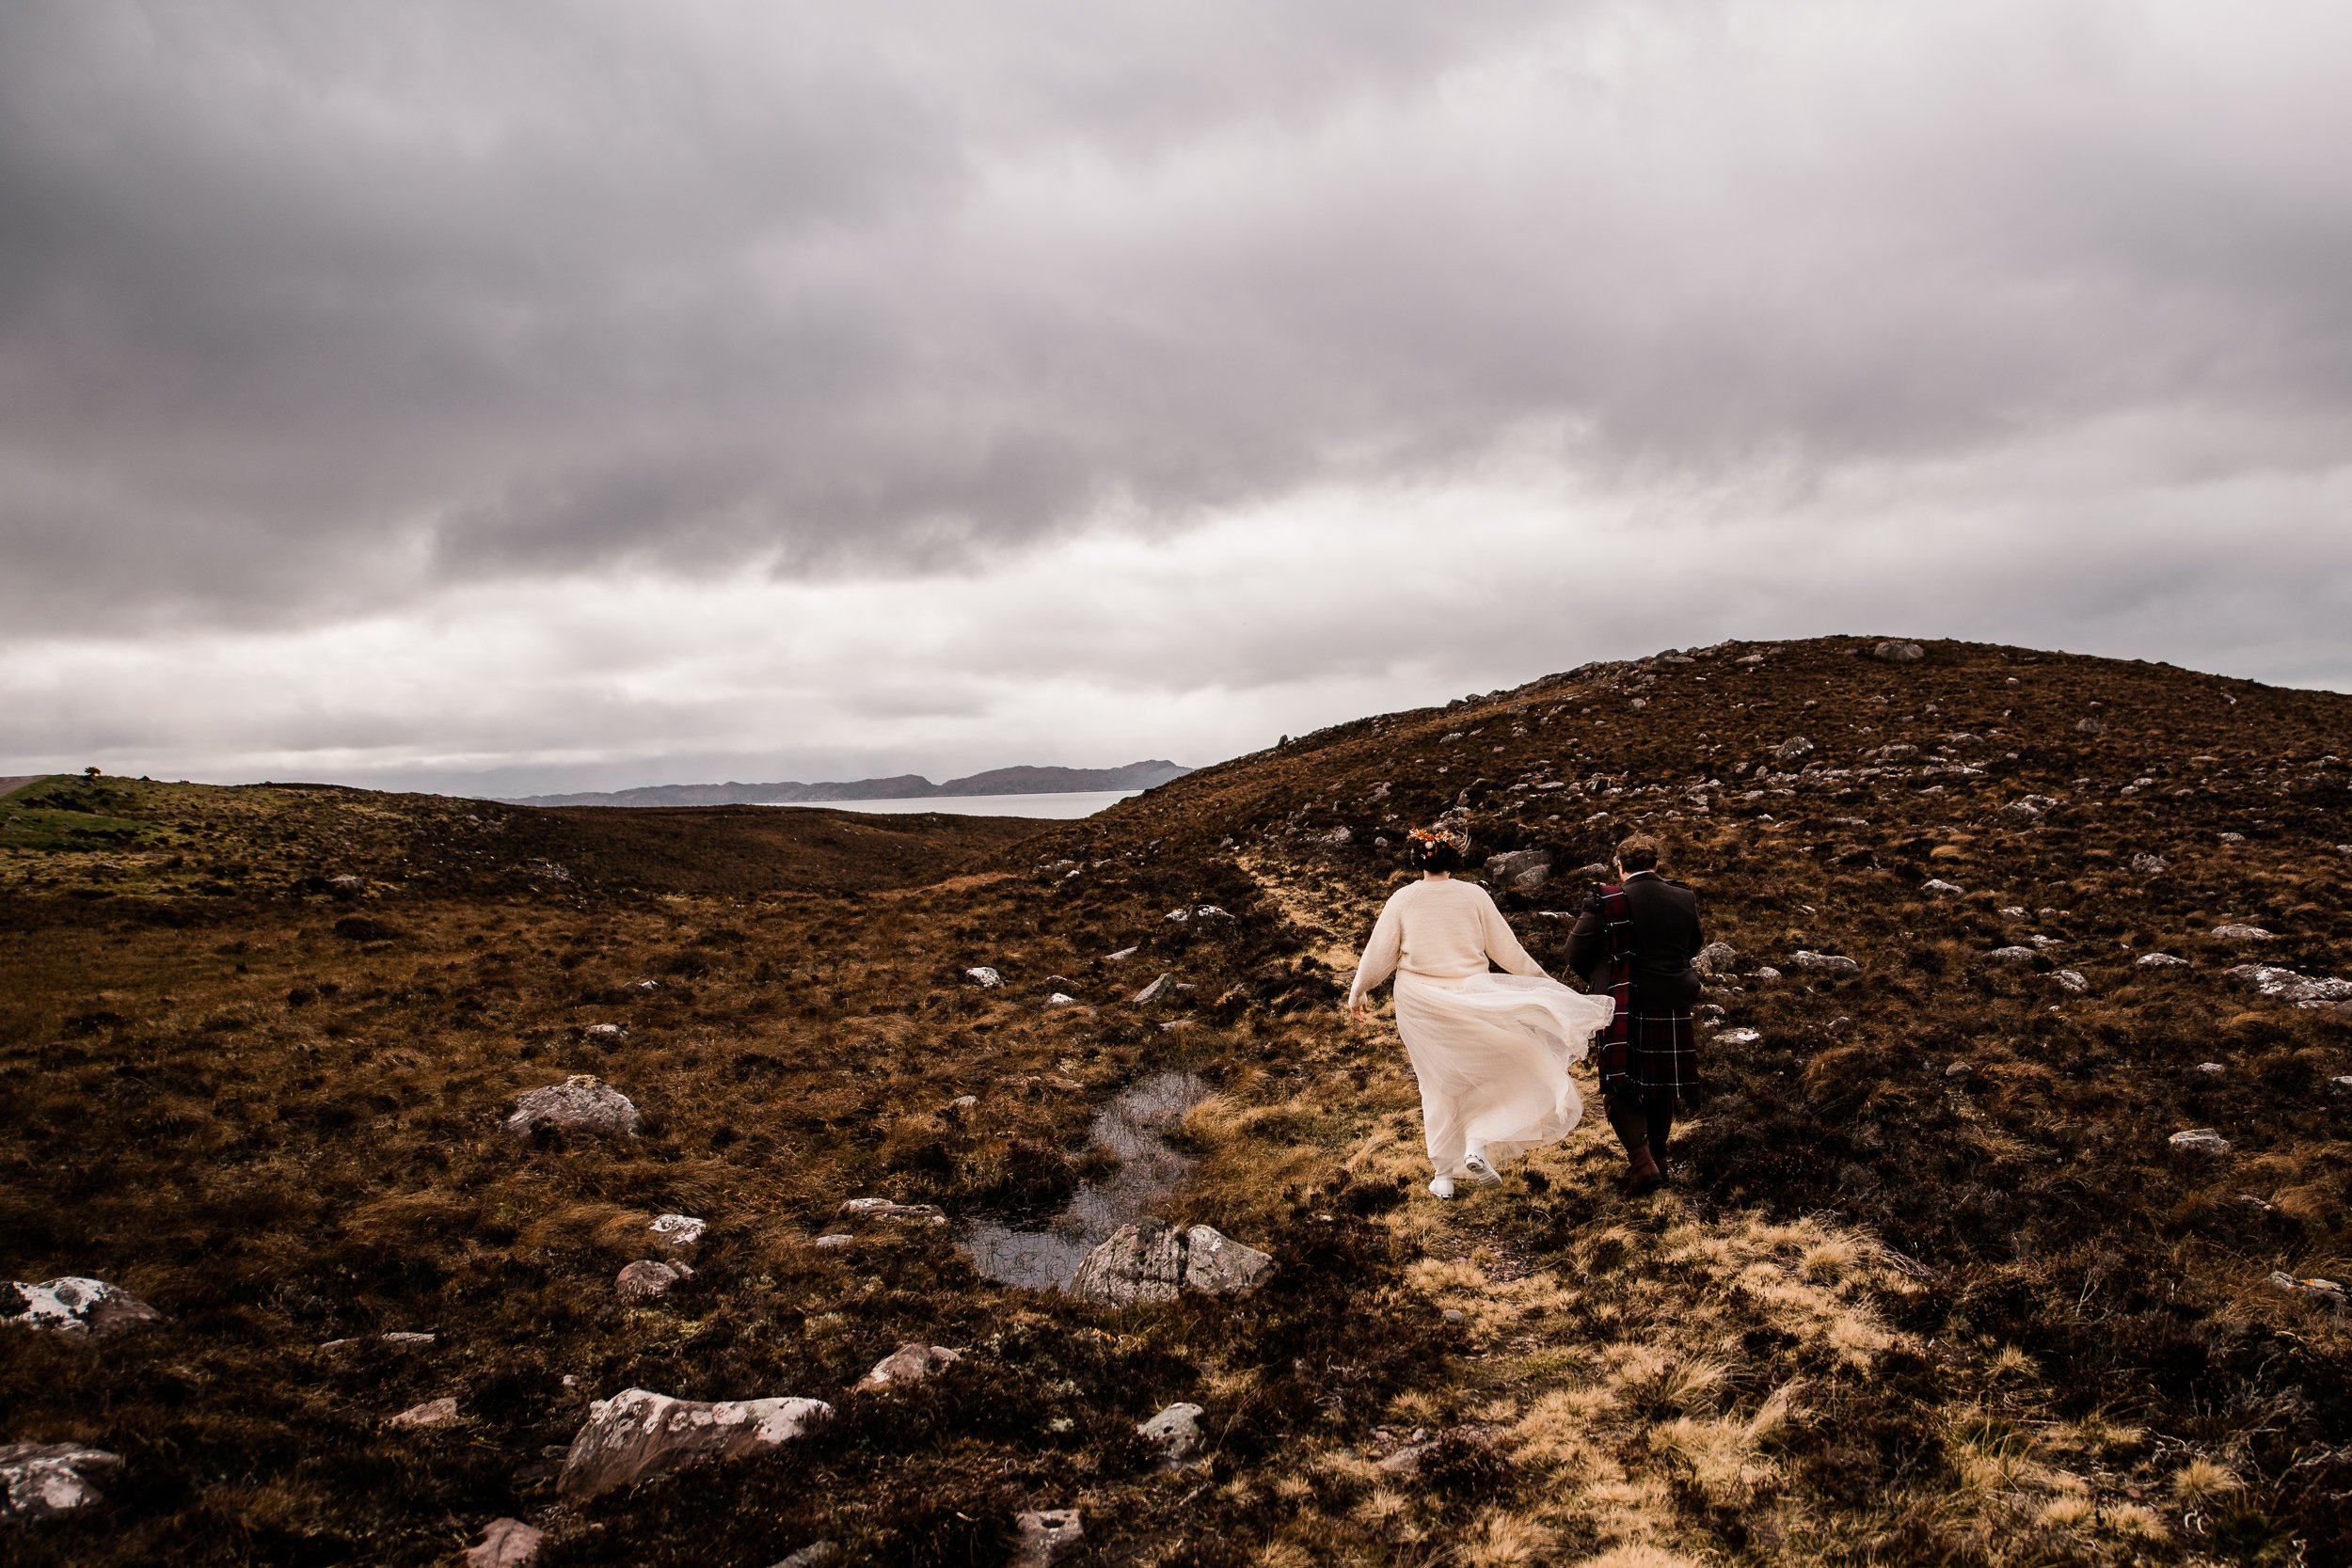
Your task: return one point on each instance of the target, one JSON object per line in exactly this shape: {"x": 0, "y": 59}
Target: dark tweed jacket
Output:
{"x": 1666, "y": 937}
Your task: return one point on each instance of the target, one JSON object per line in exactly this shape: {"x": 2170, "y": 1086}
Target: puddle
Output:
{"x": 1149, "y": 1173}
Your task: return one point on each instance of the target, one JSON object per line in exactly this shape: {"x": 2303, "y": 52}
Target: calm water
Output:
{"x": 1083, "y": 804}
{"x": 1148, "y": 1175}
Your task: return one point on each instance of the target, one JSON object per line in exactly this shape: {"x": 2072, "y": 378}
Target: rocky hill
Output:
{"x": 1941, "y": 1278}
{"x": 1021, "y": 779}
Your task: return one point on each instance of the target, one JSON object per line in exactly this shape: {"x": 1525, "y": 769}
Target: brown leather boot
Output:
{"x": 1642, "y": 1178}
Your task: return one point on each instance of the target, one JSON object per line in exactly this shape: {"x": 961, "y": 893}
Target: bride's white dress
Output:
{"x": 1492, "y": 1051}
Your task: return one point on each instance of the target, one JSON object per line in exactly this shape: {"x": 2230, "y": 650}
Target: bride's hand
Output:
{"x": 1359, "y": 1011}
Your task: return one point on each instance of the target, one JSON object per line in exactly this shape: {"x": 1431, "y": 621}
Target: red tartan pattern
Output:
{"x": 1654, "y": 1053}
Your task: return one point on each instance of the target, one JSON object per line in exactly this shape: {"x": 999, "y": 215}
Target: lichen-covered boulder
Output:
{"x": 582, "y": 1104}
{"x": 677, "y": 1232}
{"x": 75, "y": 1305}
{"x": 1044, "y": 1534}
{"x": 637, "y": 1433}
{"x": 1174, "y": 1433}
{"x": 1218, "y": 1265}
{"x": 649, "y": 1277}
{"x": 44, "y": 1480}
{"x": 505, "y": 1544}
{"x": 1151, "y": 1260}
{"x": 910, "y": 1363}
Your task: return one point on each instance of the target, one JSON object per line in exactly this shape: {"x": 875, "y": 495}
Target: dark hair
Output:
{"x": 1433, "y": 850}
{"x": 1640, "y": 853}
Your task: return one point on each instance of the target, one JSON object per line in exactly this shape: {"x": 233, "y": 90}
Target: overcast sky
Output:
{"x": 512, "y": 396}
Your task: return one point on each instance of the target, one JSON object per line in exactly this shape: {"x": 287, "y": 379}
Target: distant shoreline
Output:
{"x": 997, "y": 782}
{"x": 1045, "y": 805}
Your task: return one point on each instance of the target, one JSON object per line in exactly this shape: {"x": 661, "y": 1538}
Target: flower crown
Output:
{"x": 1427, "y": 838}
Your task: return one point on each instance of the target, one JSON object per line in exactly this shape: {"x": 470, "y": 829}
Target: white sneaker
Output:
{"x": 1441, "y": 1187}
{"x": 1474, "y": 1164}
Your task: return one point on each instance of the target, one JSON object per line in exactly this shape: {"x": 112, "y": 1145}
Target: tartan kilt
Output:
{"x": 1662, "y": 1059}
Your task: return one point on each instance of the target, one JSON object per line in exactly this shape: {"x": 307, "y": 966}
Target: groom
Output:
{"x": 1636, "y": 940}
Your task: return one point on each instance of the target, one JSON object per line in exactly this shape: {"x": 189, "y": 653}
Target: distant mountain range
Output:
{"x": 905, "y": 786}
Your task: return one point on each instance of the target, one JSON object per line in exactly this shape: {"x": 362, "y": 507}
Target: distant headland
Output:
{"x": 904, "y": 787}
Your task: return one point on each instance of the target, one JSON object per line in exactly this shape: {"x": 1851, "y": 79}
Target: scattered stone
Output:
{"x": 1739, "y": 1036}
{"x": 1900, "y": 652}
{"x": 432, "y": 1413}
{"x": 649, "y": 1277}
{"x": 2159, "y": 960}
{"x": 1122, "y": 955}
{"x": 2150, "y": 865}
{"x": 834, "y": 1239}
{"x": 1337, "y": 838}
{"x": 963, "y": 1101}
{"x": 1767, "y": 975}
{"x": 1826, "y": 963}
{"x": 2012, "y": 956}
{"x": 1060, "y": 999}
{"x": 505, "y": 1544}
{"x": 1407, "y": 1460}
{"x": 817, "y": 1554}
{"x": 2212, "y": 1068}
{"x": 638, "y": 1433}
{"x": 604, "y": 1031}
{"x": 1453, "y": 1316}
{"x": 1151, "y": 1260}
{"x": 884, "y": 1209}
{"x": 677, "y": 1232}
{"x": 1158, "y": 991}
{"x": 983, "y": 976}
{"x": 2072, "y": 981}
{"x": 1793, "y": 748}
{"x": 581, "y": 1103}
{"x": 44, "y": 1480}
{"x": 910, "y": 1363}
{"x": 1938, "y": 887}
{"x": 407, "y": 1339}
{"x": 1521, "y": 870}
{"x": 2090, "y": 726}
{"x": 2200, "y": 1140}
{"x": 2242, "y": 933}
{"x": 2323, "y": 1290}
{"x": 1044, "y": 1535}
{"x": 2232, "y": 838}
{"x": 1898, "y": 751}
{"x": 1716, "y": 957}
{"x": 2285, "y": 985}
{"x": 1958, "y": 1069}
{"x": 1175, "y": 1432}
{"x": 75, "y": 1305}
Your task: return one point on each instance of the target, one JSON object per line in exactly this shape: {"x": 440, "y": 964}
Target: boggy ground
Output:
{"x": 1932, "y": 1286}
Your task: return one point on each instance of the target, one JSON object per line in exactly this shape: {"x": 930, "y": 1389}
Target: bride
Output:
{"x": 1492, "y": 1051}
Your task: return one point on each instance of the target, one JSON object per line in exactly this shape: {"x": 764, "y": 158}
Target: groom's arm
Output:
{"x": 1585, "y": 942}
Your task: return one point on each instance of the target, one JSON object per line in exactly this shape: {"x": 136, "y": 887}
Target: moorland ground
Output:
{"x": 1932, "y": 1285}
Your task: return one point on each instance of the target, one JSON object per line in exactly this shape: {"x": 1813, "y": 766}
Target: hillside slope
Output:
{"x": 1933, "y": 1286}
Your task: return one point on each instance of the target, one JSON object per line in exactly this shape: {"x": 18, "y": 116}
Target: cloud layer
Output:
{"x": 543, "y": 392}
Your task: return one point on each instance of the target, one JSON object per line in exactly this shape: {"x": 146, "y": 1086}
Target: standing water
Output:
{"x": 1149, "y": 1171}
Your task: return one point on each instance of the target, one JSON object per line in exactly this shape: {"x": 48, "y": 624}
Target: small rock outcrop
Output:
{"x": 651, "y": 1277}
{"x": 1521, "y": 870}
{"x": 910, "y": 1363}
{"x": 505, "y": 1544}
{"x": 1825, "y": 963}
{"x": 423, "y": 1418}
{"x": 44, "y": 1480}
{"x": 2285, "y": 985}
{"x": 582, "y": 1104}
{"x": 1044, "y": 1534}
{"x": 2200, "y": 1140}
{"x": 884, "y": 1209}
{"x": 75, "y": 1305}
{"x": 1938, "y": 887}
{"x": 2159, "y": 960}
{"x": 638, "y": 1433}
{"x": 984, "y": 977}
{"x": 2010, "y": 956}
{"x": 676, "y": 1232}
{"x": 1900, "y": 652}
{"x": 2150, "y": 866}
{"x": 1716, "y": 957}
{"x": 2242, "y": 933}
{"x": 1153, "y": 1260}
{"x": 1174, "y": 1433}
{"x": 1158, "y": 991}
{"x": 1792, "y": 749}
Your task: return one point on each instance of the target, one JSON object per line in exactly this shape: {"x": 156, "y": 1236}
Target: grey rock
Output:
{"x": 1217, "y": 1266}
{"x": 637, "y": 1433}
{"x": 1158, "y": 991}
{"x": 1151, "y": 1260}
{"x": 2020, "y": 810}
{"x": 2090, "y": 726}
{"x": 1061, "y": 999}
{"x": 2317, "y": 1288}
{"x": 1958, "y": 1069}
{"x": 2159, "y": 960}
{"x": 581, "y": 1103}
{"x": 1408, "y": 1460}
{"x": 2212, "y": 1069}
{"x": 2242, "y": 933}
{"x": 1940, "y": 888}
{"x": 2285, "y": 985}
{"x": 2200, "y": 1140}
{"x": 2232, "y": 838}
{"x": 1121, "y": 956}
{"x": 432, "y": 1413}
{"x": 884, "y": 1209}
{"x": 1716, "y": 957}
{"x": 1825, "y": 963}
{"x": 76, "y": 1305}
{"x": 1900, "y": 652}
{"x": 1175, "y": 1432}
{"x": 45, "y": 1480}
{"x": 649, "y": 1277}
{"x": 1044, "y": 1534}
{"x": 604, "y": 1031}
{"x": 1796, "y": 746}
{"x": 1337, "y": 838}
{"x": 676, "y": 1232}
{"x": 1521, "y": 870}
{"x": 836, "y": 1239}
{"x": 983, "y": 976}
{"x": 910, "y": 1363}
{"x": 1900, "y": 751}
{"x": 817, "y": 1554}
{"x": 505, "y": 1544}
{"x": 2150, "y": 865}
{"x": 1766, "y": 974}
{"x": 2072, "y": 981}
{"x": 2012, "y": 956}
{"x": 1739, "y": 1036}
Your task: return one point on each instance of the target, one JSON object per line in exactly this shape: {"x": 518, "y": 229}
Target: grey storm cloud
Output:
{"x": 305, "y": 308}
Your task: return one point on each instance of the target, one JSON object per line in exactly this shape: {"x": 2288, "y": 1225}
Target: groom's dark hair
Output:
{"x": 1640, "y": 853}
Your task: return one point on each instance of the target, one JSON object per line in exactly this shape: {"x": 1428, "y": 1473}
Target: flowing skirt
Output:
{"x": 1492, "y": 1053}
